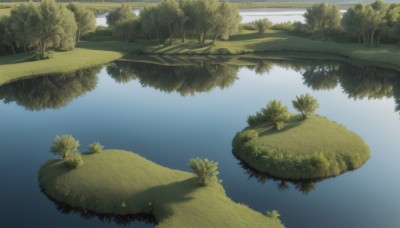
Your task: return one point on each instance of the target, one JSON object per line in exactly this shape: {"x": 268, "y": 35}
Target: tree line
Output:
{"x": 366, "y": 23}
{"x": 45, "y": 26}
{"x": 198, "y": 18}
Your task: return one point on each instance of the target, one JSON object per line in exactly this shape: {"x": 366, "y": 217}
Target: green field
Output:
{"x": 121, "y": 182}
{"x": 304, "y": 149}
{"x": 89, "y": 54}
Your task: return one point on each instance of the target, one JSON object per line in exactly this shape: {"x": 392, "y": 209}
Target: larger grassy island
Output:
{"x": 122, "y": 183}
{"x": 298, "y": 147}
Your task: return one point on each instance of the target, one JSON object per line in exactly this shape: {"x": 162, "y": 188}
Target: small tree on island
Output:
{"x": 64, "y": 146}
{"x": 306, "y": 104}
{"x": 277, "y": 113}
{"x": 205, "y": 169}
{"x": 262, "y": 25}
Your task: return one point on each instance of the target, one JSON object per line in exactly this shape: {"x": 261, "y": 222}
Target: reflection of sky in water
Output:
{"x": 275, "y": 15}
{"x": 170, "y": 129}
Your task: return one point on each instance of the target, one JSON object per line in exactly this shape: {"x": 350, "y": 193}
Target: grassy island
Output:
{"x": 313, "y": 148}
{"x": 122, "y": 183}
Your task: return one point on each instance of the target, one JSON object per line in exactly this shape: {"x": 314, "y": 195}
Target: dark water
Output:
{"x": 171, "y": 114}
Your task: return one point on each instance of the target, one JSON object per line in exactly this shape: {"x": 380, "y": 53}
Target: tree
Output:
{"x": 84, "y": 18}
{"x": 119, "y": 14}
{"x": 169, "y": 15}
{"x": 227, "y": 20}
{"x": 205, "y": 169}
{"x": 306, "y": 104}
{"x": 150, "y": 21}
{"x": 322, "y": 17}
{"x": 262, "y": 24}
{"x": 203, "y": 15}
{"x": 56, "y": 27}
{"x": 64, "y": 146}
{"x": 23, "y": 19}
{"x": 366, "y": 22}
{"x": 276, "y": 113}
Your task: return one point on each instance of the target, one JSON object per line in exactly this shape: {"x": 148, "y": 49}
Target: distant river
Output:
{"x": 276, "y": 15}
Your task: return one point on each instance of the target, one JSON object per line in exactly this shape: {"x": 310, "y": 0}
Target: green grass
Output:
{"x": 111, "y": 178}
{"x": 278, "y": 41}
{"x": 310, "y": 149}
{"x": 87, "y": 54}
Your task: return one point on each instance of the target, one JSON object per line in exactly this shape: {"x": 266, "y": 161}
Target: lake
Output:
{"x": 170, "y": 114}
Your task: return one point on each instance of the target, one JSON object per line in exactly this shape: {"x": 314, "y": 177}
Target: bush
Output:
{"x": 274, "y": 214}
{"x": 249, "y": 26}
{"x": 42, "y": 55}
{"x": 245, "y": 142}
{"x": 305, "y": 104}
{"x": 206, "y": 170}
{"x": 262, "y": 25}
{"x": 95, "y": 147}
{"x": 64, "y": 146}
{"x": 284, "y": 26}
{"x": 276, "y": 113}
{"x": 74, "y": 160}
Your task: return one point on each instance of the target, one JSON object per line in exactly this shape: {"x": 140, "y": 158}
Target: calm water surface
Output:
{"x": 171, "y": 114}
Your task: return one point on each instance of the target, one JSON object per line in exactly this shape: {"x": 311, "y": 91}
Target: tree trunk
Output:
{"x": 214, "y": 37}
{"x": 372, "y": 38}
{"x": 78, "y": 36}
{"x": 183, "y": 36}
{"x": 199, "y": 36}
{"x": 158, "y": 37}
{"x": 204, "y": 37}
{"x": 170, "y": 36}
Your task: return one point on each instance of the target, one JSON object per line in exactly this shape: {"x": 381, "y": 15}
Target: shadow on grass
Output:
{"x": 293, "y": 122}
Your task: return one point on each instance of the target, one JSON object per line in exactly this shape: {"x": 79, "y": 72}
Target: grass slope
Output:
{"x": 304, "y": 149}
{"x": 113, "y": 177}
{"x": 279, "y": 41}
{"x": 87, "y": 54}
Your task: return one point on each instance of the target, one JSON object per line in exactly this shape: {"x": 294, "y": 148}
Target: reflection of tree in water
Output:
{"x": 367, "y": 82}
{"x": 51, "y": 91}
{"x": 106, "y": 218}
{"x": 185, "y": 80}
{"x": 304, "y": 187}
{"x": 261, "y": 66}
{"x": 320, "y": 75}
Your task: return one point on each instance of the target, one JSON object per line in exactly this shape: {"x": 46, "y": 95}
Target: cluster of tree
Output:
{"x": 44, "y": 26}
{"x": 199, "y": 18}
{"x": 367, "y": 23}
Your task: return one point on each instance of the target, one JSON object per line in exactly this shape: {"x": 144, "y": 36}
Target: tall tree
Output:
{"x": 56, "y": 27}
{"x": 84, "y": 18}
{"x": 150, "y": 21}
{"x": 227, "y": 20}
{"x": 322, "y": 17}
{"x": 23, "y": 19}
{"x": 170, "y": 12}
{"x": 122, "y": 13}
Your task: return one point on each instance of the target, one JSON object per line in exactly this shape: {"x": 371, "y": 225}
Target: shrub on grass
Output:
{"x": 262, "y": 25}
{"x": 74, "y": 160}
{"x": 306, "y": 104}
{"x": 42, "y": 55}
{"x": 64, "y": 146}
{"x": 276, "y": 113}
{"x": 95, "y": 147}
{"x": 274, "y": 214}
{"x": 205, "y": 169}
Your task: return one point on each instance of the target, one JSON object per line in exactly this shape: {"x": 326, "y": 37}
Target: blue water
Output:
{"x": 169, "y": 128}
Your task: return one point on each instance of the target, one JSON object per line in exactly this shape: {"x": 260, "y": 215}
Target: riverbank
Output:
{"x": 85, "y": 55}
{"x": 313, "y": 148}
{"x": 88, "y": 54}
{"x": 176, "y": 198}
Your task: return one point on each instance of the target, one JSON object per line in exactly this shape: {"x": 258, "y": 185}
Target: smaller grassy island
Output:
{"x": 123, "y": 183}
{"x": 298, "y": 147}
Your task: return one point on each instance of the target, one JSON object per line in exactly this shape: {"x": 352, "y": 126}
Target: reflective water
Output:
{"x": 171, "y": 114}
